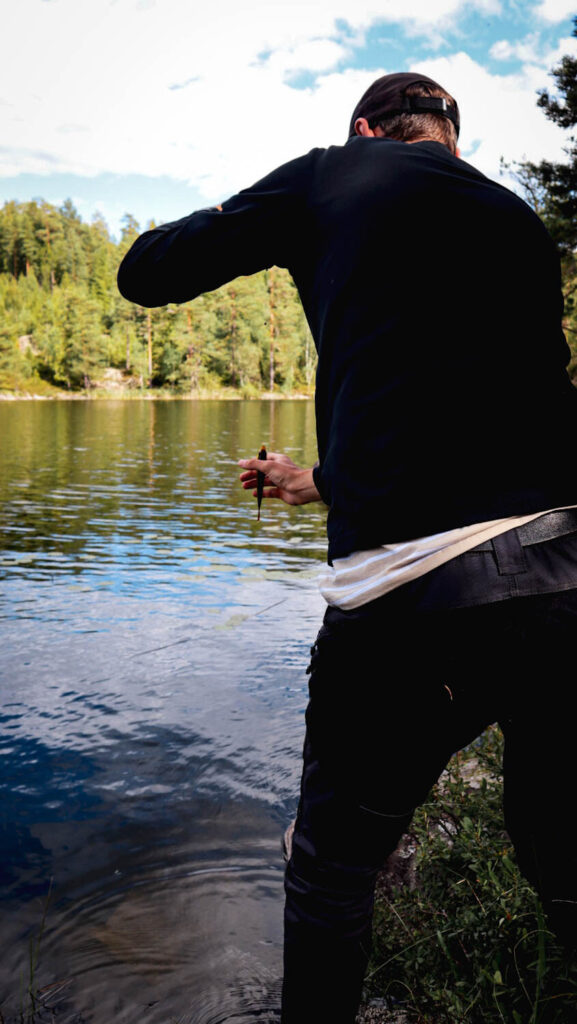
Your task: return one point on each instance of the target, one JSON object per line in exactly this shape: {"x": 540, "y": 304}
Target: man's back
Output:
{"x": 434, "y": 296}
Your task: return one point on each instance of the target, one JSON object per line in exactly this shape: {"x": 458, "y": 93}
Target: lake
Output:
{"x": 155, "y": 638}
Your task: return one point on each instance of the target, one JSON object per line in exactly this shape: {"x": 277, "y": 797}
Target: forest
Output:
{"x": 64, "y": 324}
{"x": 64, "y": 328}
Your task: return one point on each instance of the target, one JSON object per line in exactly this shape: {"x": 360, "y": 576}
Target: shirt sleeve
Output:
{"x": 253, "y": 230}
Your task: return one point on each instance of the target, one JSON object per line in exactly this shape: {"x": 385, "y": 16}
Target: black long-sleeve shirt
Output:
{"x": 433, "y": 295}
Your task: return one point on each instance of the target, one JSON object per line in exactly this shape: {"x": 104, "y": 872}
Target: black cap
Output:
{"x": 386, "y": 98}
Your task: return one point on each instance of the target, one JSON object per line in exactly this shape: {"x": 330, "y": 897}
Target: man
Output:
{"x": 446, "y": 425}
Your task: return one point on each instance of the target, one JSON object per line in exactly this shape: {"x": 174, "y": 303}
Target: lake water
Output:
{"x": 154, "y": 645}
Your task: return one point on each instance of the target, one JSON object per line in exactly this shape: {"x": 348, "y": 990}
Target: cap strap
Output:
{"x": 423, "y": 105}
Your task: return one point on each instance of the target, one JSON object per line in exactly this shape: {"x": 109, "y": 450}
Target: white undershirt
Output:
{"x": 365, "y": 575}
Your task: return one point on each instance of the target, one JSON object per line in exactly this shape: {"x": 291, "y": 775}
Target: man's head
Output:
{"x": 407, "y": 107}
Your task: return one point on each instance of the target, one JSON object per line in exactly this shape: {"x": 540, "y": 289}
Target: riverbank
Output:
{"x": 111, "y": 382}
{"x": 103, "y": 394}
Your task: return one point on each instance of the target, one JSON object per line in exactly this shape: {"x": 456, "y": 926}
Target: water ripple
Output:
{"x": 154, "y": 640}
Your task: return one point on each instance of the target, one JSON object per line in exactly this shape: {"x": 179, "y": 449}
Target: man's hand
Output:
{"x": 283, "y": 479}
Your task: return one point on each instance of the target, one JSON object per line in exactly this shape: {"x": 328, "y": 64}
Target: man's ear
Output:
{"x": 362, "y": 128}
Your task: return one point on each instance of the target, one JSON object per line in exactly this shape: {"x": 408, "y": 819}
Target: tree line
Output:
{"x": 64, "y": 324}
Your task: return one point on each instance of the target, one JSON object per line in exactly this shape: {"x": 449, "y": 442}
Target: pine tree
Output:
{"x": 555, "y": 184}
{"x": 551, "y": 187}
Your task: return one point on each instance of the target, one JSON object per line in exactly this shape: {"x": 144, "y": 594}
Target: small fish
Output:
{"x": 260, "y": 483}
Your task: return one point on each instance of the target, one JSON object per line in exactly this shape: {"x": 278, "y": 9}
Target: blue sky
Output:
{"x": 157, "y": 107}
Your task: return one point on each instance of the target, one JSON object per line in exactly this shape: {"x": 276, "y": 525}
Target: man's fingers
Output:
{"x": 269, "y": 467}
{"x": 263, "y": 465}
{"x": 269, "y": 492}
{"x": 249, "y": 480}
{"x": 282, "y": 479}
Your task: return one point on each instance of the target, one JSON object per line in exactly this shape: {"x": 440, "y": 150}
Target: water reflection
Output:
{"x": 154, "y": 642}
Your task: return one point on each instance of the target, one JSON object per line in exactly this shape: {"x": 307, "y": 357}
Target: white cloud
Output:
{"x": 527, "y": 50}
{"x": 532, "y": 50}
{"x": 316, "y": 55}
{"x": 502, "y": 50}
{"x": 159, "y": 88}
{"x": 556, "y": 10}
{"x": 565, "y": 47}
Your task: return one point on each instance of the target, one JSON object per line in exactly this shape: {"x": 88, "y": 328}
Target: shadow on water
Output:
{"x": 154, "y": 641}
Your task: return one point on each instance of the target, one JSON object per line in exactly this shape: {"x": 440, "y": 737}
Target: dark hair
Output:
{"x": 412, "y": 127}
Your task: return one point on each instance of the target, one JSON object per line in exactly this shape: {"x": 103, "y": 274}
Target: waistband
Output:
{"x": 517, "y": 563}
{"x": 547, "y": 527}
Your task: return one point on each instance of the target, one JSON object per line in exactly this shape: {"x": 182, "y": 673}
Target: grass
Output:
{"x": 35, "y": 1002}
{"x": 464, "y": 938}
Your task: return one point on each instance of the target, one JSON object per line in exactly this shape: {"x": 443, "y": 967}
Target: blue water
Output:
{"x": 154, "y": 645}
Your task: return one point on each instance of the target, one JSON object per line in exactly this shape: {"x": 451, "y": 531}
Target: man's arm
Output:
{"x": 255, "y": 229}
{"x": 283, "y": 479}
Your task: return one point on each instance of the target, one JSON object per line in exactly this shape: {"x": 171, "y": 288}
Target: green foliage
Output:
{"x": 63, "y": 320}
{"x": 551, "y": 188}
{"x": 466, "y": 939}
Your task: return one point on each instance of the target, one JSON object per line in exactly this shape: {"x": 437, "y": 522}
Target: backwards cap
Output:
{"x": 386, "y": 98}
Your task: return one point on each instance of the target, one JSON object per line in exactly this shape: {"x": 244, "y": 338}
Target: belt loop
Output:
{"x": 509, "y": 554}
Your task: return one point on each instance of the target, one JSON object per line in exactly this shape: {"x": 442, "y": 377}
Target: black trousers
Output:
{"x": 396, "y": 687}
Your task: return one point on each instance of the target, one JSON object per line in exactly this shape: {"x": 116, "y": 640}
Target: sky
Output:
{"x": 159, "y": 107}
